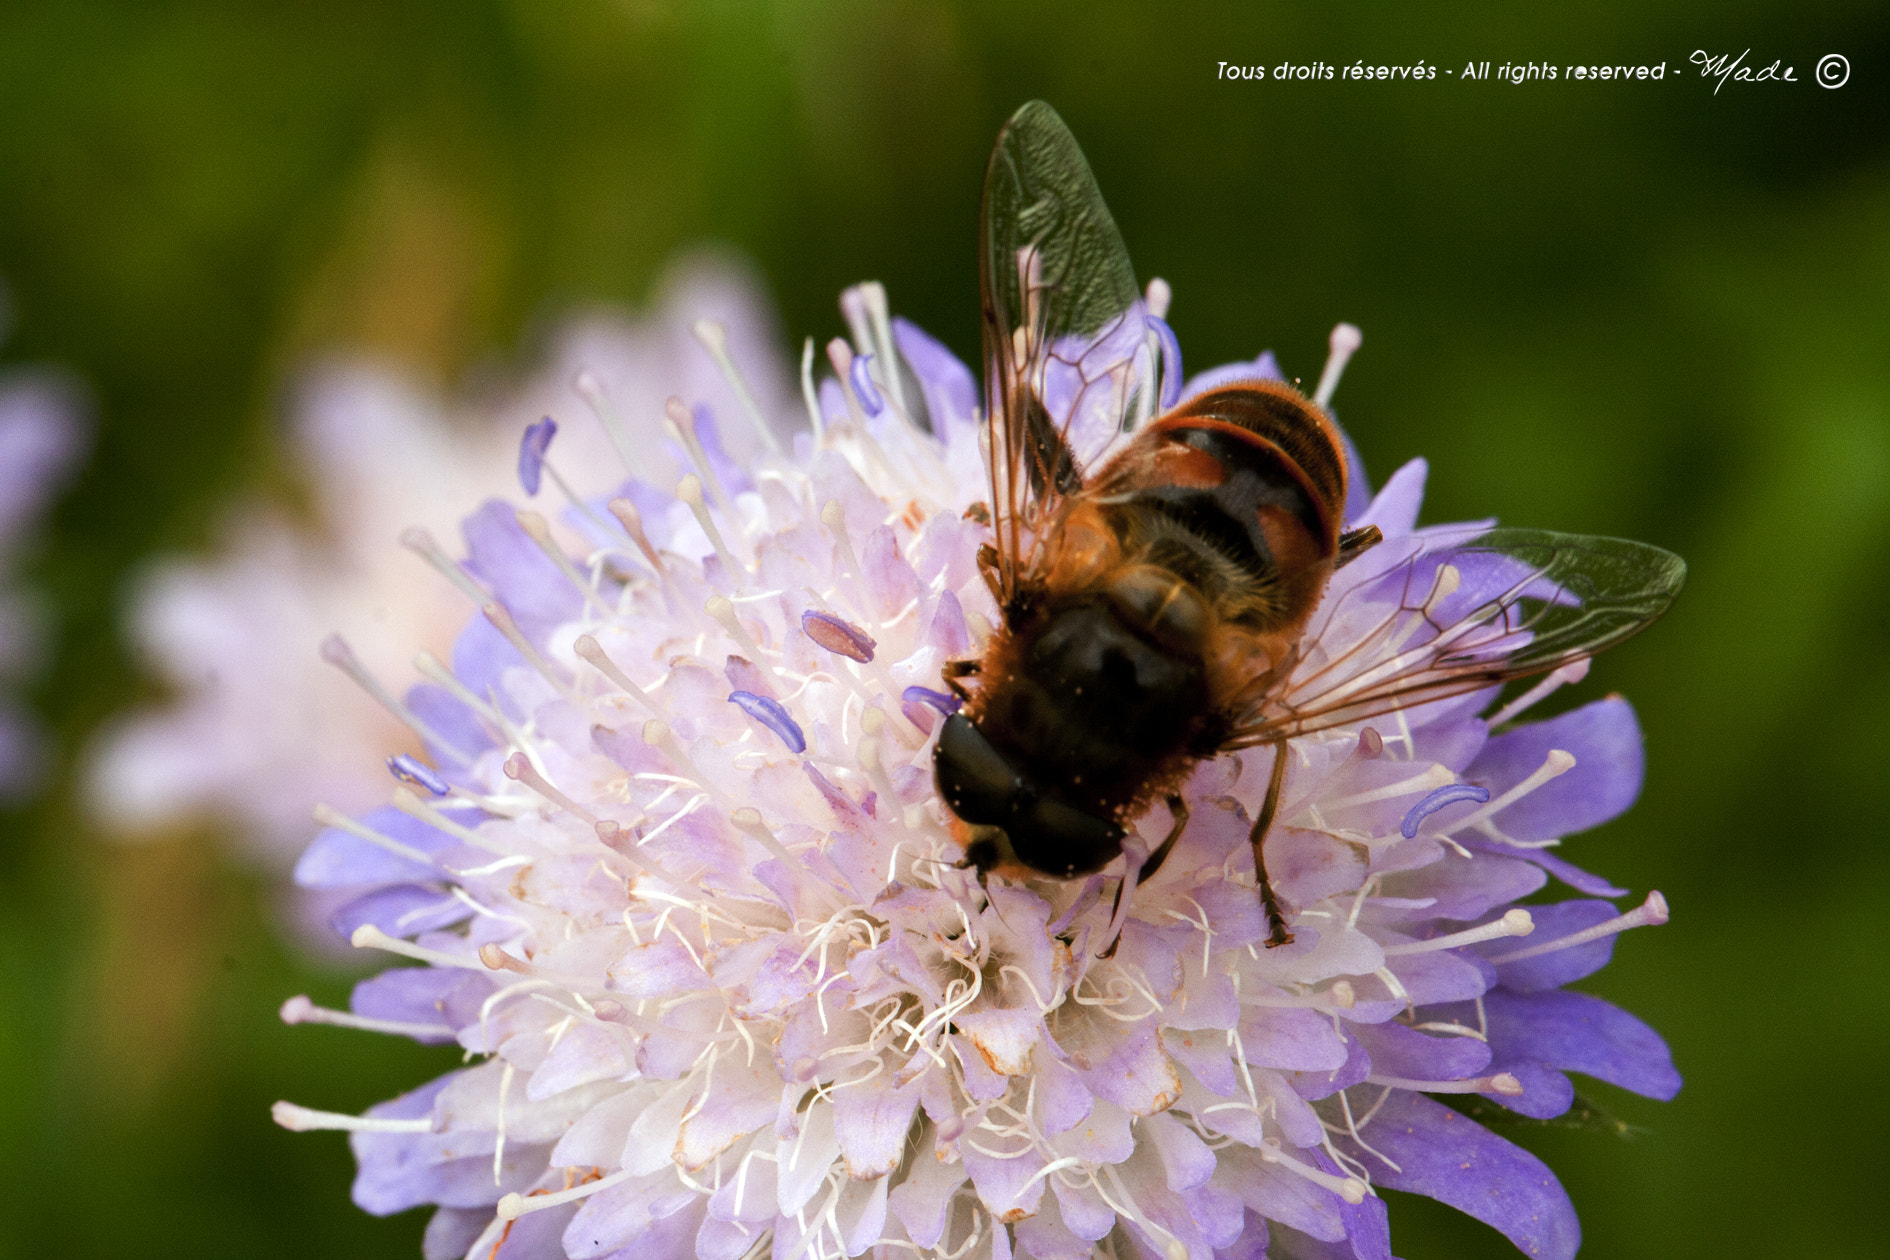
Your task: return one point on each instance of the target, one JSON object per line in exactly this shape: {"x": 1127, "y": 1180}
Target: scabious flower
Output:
{"x": 260, "y": 728}
{"x": 42, "y": 437}
{"x": 676, "y": 875}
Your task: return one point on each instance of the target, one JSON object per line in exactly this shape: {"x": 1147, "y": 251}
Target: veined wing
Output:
{"x": 1454, "y": 612}
{"x": 1070, "y": 354}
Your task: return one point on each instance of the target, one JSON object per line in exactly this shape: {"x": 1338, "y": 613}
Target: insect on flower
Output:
{"x": 1162, "y": 578}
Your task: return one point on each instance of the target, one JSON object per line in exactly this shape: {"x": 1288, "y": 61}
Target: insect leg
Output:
{"x": 991, "y": 568}
{"x": 1277, "y": 935}
{"x": 1355, "y": 543}
{"x": 1177, "y": 807}
{"x": 953, "y": 671}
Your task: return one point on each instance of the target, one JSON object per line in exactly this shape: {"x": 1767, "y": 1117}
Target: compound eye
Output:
{"x": 1058, "y": 840}
{"x": 976, "y": 782}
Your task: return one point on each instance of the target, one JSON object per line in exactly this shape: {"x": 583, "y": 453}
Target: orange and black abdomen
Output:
{"x": 1240, "y": 491}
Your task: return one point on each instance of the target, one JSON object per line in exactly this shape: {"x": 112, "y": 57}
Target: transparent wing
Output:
{"x": 1444, "y": 613}
{"x": 1070, "y": 356}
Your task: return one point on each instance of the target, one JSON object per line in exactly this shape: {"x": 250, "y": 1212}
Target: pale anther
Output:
{"x": 1650, "y": 913}
{"x": 1342, "y": 345}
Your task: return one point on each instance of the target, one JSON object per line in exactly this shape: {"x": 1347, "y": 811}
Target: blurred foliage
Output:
{"x": 1643, "y": 309}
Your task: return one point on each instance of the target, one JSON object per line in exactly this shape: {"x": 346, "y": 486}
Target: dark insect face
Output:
{"x": 1043, "y": 833}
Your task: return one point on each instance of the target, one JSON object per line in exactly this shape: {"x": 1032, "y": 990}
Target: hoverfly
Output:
{"x": 1162, "y": 578}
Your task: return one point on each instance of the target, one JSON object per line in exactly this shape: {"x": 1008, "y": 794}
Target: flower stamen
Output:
{"x": 1650, "y": 913}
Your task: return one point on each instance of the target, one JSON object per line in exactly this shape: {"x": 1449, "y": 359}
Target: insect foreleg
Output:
{"x": 1277, "y": 935}
{"x": 1355, "y": 543}
{"x": 953, "y": 671}
{"x": 1153, "y": 863}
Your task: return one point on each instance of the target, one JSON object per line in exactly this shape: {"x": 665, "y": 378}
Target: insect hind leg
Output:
{"x": 1277, "y": 935}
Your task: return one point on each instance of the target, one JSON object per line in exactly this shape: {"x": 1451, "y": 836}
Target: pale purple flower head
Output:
{"x": 694, "y": 907}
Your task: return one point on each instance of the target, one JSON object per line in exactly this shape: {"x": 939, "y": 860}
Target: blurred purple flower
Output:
{"x": 44, "y": 435}
{"x": 732, "y": 994}
{"x": 260, "y": 729}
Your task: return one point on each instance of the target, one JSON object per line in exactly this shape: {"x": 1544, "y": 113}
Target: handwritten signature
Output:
{"x": 1725, "y": 66}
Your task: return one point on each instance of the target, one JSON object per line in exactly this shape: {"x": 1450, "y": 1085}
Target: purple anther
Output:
{"x": 944, "y": 703}
{"x": 772, "y": 715}
{"x": 1171, "y": 361}
{"x": 863, "y": 387}
{"x": 1437, "y": 800}
{"x": 531, "y": 453}
{"x": 419, "y": 773}
{"x": 842, "y": 638}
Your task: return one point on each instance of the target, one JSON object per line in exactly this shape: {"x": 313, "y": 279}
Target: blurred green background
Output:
{"x": 1638, "y": 309}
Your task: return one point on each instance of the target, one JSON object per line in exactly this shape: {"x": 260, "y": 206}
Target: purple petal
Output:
{"x": 1315, "y": 1085}
{"x": 1206, "y": 1056}
{"x": 1605, "y": 739}
{"x": 1005, "y": 1037}
{"x": 1445, "y": 1156}
{"x": 410, "y": 995}
{"x": 1546, "y": 1094}
{"x": 845, "y": 809}
{"x": 1045, "y": 1236}
{"x": 1400, "y": 1051}
{"x": 340, "y": 859}
{"x": 1252, "y": 1242}
{"x": 400, "y": 910}
{"x": 920, "y": 1200}
{"x": 1129, "y": 1069}
{"x": 1442, "y": 976}
{"x": 481, "y": 655}
{"x": 452, "y": 1231}
{"x": 745, "y": 1098}
{"x": 951, "y": 395}
{"x": 531, "y": 453}
{"x": 1060, "y": 1093}
{"x": 1581, "y": 1033}
{"x": 611, "y": 1218}
{"x": 743, "y": 676}
{"x": 1006, "y": 1185}
{"x": 586, "y": 1054}
{"x": 773, "y": 715}
{"x": 838, "y": 636}
{"x": 655, "y": 970}
{"x": 1395, "y": 508}
{"x": 889, "y": 579}
{"x": 1291, "y": 1039}
{"x": 871, "y": 1121}
{"x": 1084, "y": 1212}
{"x": 450, "y": 719}
{"x": 730, "y": 472}
{"x": 948, "y": 632}
{"x": 1563, "y": 966}
{"x": 1186, "y": 1160}
{"x": 1264, "y": 368}
{"x": 500, "y": 554}
{"x": 1469, "y": 890}
{"x": 1279, "y": 1195}
{"x": 1367, "y": 1225}
{"x": 1574, "y": 876}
